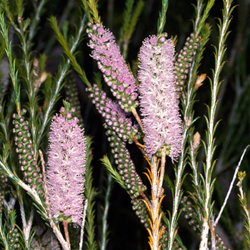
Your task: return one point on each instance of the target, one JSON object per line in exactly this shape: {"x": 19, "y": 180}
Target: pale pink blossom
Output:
{"x": 158, "y": 98}
{"x": 66, "y": 168}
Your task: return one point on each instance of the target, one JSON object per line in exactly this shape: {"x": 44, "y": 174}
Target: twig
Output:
{"x": 104, "y": 229}
{"x": 139, "y": 145}
{"x": 66, "y": 232}
{"x": 155, "y": 232}
{"x": 231, "y": 186}
{"x": 211, "y": 124}
{"x": 145, "y": 198}
{"x": 27, "y": 229}
{"x": 83, "y": 224}
{"x": 26, "y": 226}
{"x": 162, "y": 171}
{"x": 10, "y": 205}
{"x": 137, "y": 118}
{"x": 22, "y": 211}
{"x": 26, "y": 187}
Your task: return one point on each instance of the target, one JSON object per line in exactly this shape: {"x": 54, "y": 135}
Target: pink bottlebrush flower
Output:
{"x": 66, "y": 168}
{"x": 158, "y": 98}
{"x": 115, "y": 71}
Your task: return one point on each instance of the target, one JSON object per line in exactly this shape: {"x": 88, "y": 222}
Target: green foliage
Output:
{"x": 98, "y": 79}
{"x": 86, "y": 9}
{"x": 127, "y": 17}
{"x": 42, "y": 62}
{"x": 92, "y": 4}
{"x": 105, "y": 160}
{"x": 129, "y": 23}
{"x": 162, "y": 17}
{"x": 68, "y": 51}
{"x": 12, "y": 66}
{"x": 3, "y": 231}
{"x": 202, "y": 13}
{"x": 90, "y": 194}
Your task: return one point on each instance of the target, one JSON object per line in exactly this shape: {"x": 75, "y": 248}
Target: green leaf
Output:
{"x": 67, "y": 51}
{"x": 162, "y": 17}
{"x": 114, "y": 173}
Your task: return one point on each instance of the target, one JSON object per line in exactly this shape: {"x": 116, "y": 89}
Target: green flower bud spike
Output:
{"x": 24, "y": 148}
{"x": 184, "y": 61}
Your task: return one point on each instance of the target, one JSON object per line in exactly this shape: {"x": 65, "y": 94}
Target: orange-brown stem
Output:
{"x": 145, "y": 198}
{"x": 137, "y": 118}
{"x": 66, "y": 231}
{"x": 162, "y": 171}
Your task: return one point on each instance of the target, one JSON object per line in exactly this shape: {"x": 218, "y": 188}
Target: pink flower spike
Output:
{"x": 159, "y": 101}
{"x": 112, "y": 65}
{"x": 66, "y": 168}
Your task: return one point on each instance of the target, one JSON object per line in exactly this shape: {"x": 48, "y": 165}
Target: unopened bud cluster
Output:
{"x": 190, "y": 215}
{"x": 115, "y": 71}
{"x": 114, "y": 116}
{"x": 164, "y": 241}
{"x": 126, "y": 166}
{"x": 220, "y": 243}
{"x": 141, "y": 210}
{"x": 25, "y": 152}
{"x": 184, "y": 61}
{"x": 3, "y": 181}
{"x": 13, "y": 238}
{"x": 73, "y": 99}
